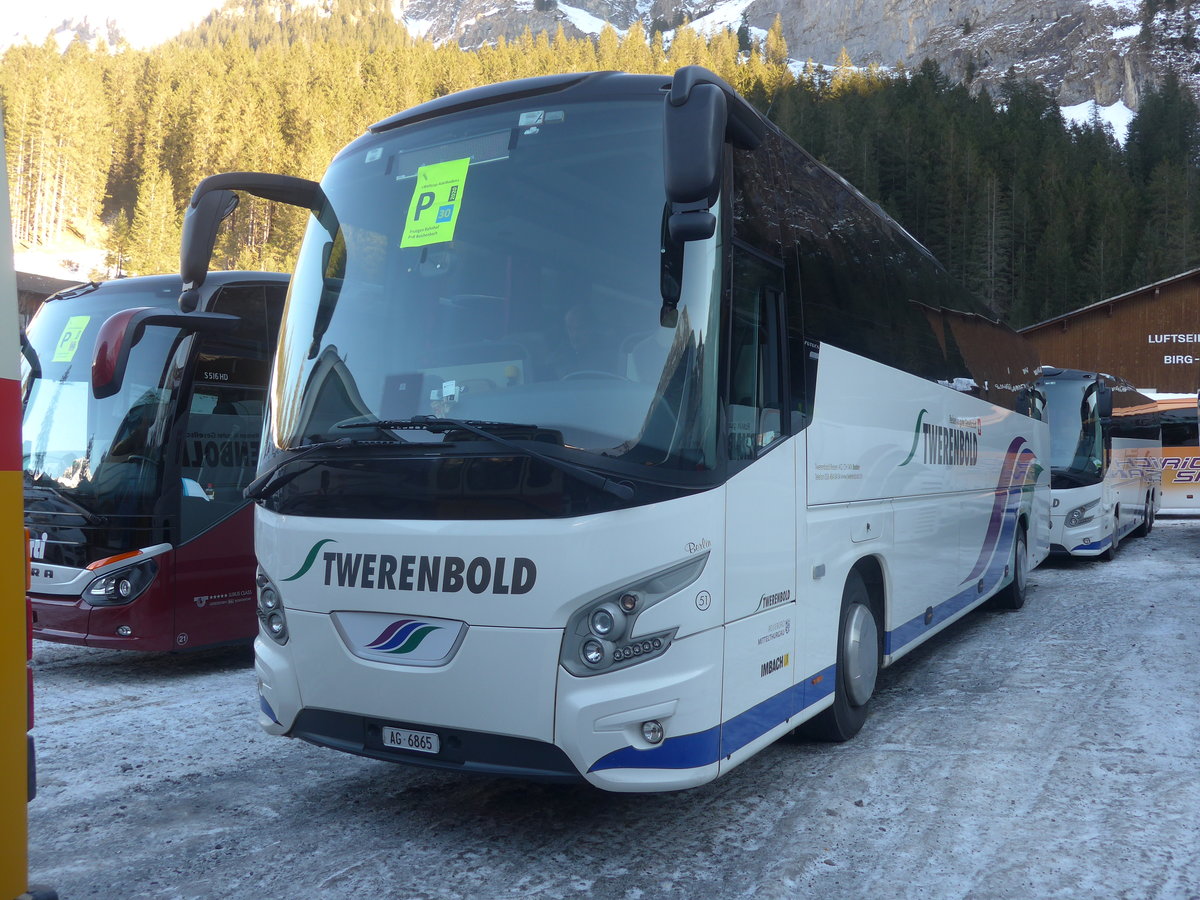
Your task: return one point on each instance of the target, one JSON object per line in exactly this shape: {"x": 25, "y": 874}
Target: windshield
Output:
{"x": 1076, "y": 439}
{"x": 80, "y": 454}
{"x": 505, "y": 265}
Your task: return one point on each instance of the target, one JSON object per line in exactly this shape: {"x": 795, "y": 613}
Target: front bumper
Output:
{"x": 71, "y": 620}
{"x": 502, "y": 706}
{"x": 1090, "y": 539}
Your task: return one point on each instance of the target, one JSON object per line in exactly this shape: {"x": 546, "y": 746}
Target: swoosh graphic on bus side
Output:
{"x": 1019, "y": 463}
{"x": 916, "y": 438}
{"x": 312, "y": 557}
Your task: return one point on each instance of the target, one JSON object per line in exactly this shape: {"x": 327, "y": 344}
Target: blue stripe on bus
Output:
{"x": 706, "y": 747}
{"x": 900, "y": 637}
{"x": 689, "y": 751}
{"x": 1097, "y": 545}
{"x": 703, "y": 748}
{"x": 1104, "y": 542}
{"x": 266, "y": 707}
{"x": 684, "y": 752}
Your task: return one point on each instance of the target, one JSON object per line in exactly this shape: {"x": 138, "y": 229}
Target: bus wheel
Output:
{"x": 1148, "y": 520}
{"x": 858, "y": 656}
{"x": 1110, "y": 552}
{"x": 1012, "y": 595}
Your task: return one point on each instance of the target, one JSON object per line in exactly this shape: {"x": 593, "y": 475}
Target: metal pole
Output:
{"x": 15, "y": 697}
{"x": 14, "y": 832}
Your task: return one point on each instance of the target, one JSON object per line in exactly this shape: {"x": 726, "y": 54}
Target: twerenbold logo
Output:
{"x": 916, "y": 438}
{"x": 312, "y": 558}
{"x": 403, "y": 636}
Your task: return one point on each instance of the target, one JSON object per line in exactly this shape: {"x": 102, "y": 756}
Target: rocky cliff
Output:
{"x": 1102, "y": 50}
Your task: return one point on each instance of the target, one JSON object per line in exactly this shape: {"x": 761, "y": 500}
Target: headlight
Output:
{"x": 271, "y": 618}
{"x": 1081, "y": 515}
{"x": 600, "y": 635}
{"x": 121, "y": 587}
{"x": 607, "y": 622}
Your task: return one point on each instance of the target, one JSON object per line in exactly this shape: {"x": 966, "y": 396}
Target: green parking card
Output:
{"x": 68, "y": 341}
{"x": 433, "y": 212}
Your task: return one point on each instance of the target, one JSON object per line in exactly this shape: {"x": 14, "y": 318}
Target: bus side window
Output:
{"x": 755, "y": 356}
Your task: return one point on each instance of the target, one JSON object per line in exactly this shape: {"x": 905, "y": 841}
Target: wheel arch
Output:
{"x": 871, "y": 570}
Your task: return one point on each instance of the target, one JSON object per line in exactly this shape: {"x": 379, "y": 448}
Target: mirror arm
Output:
{"x": 281, "y": 188}
{"x": 213, "y": 200}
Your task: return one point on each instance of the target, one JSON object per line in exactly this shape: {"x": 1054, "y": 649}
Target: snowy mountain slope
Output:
{"x": 1101, "y": 51}
{"x": 1083, "y": 50}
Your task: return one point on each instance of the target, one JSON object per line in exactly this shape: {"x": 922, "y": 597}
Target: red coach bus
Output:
{"x": 141, "y": 426}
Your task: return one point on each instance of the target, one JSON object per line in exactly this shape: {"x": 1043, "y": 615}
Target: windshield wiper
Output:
{"x": 58, "y": 494}
{"x": 271, "y": 480}
{"x": 1075, "y": 477}
{"x": 437, "y": 424}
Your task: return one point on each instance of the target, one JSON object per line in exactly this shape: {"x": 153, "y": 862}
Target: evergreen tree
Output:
{"x": 155, "y": 231}
{"x": 1165, "y": 129}
{"x": 1035, "y": 216}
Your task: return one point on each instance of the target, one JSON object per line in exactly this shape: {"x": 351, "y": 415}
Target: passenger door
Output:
{"x": 760, "y": 537}
{"x": 214, "y": 559}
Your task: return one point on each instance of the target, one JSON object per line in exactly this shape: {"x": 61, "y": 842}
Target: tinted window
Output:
{"x": 755, "y": 394}
{"x": 868, "y": 288}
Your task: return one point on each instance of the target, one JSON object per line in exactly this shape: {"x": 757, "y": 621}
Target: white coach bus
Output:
{"x": 613, "y": 437}
{"x": 1105, "y": 457}
{"x": 1180, "y": 488}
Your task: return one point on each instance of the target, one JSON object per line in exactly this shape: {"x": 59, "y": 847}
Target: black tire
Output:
{"x": 1012, "y": 595}
{"x": 858, "y": 625}
{"x": 1147, "y": 525}
{"x": 1110, "y": 552}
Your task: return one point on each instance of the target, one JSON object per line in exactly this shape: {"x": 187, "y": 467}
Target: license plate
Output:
{"x": 403, "y": 739}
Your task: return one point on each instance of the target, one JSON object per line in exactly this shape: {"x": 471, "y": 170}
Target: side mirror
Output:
{"x": 213, "y": 200}
{"x": 200, "y": 222}
{"x": 121, "y": 332}
{"x": 693, "y": 150}
{"x": 1104, "y": 403}
{"x": 702, "y": 111}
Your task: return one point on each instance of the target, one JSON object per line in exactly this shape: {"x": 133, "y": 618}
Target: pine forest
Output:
{"x": 1035, "y": 216}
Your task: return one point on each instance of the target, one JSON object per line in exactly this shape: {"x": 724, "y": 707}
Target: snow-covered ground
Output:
{"x": 1046, "y": 753}
{"x": 74, "y": 263}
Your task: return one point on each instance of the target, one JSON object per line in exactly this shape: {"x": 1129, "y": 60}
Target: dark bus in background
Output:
{"x": 139, "y": 433}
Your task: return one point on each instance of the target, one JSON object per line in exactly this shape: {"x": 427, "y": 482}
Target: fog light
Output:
{"x": 652, "y": 731}
{"x": 124, "y": 631}
{"x": 276, "y": 624}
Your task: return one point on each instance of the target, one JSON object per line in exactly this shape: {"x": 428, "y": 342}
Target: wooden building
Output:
{"x": 33, "y": 289}
{"x": 1149, "y": 336}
